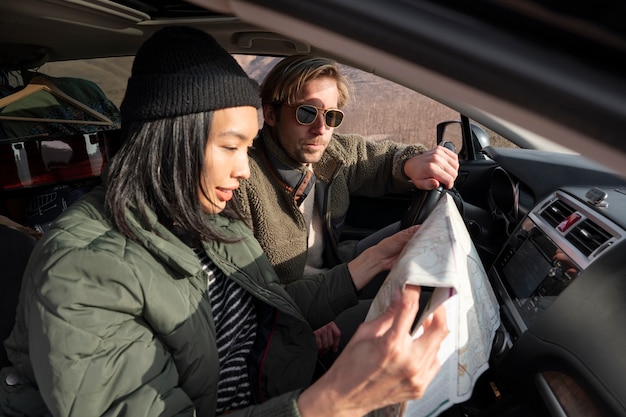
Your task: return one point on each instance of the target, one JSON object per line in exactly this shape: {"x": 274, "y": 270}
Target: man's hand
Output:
{"x": 380, "y": 257}
{"x": 327, "y": 337}
{"x": 437, "y": 166}
{"x": 388, "y": 249}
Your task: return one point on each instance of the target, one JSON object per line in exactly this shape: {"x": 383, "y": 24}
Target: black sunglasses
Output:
{"x": 306, "y": 114}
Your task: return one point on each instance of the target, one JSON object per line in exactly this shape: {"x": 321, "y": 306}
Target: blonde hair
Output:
{"x": 285, "y": 81}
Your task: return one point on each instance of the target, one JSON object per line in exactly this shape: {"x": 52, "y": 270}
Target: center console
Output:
{"x": 554, "y": 244}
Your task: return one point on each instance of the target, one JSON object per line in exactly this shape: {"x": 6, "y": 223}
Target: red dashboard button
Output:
{"x": 568, "y": 222}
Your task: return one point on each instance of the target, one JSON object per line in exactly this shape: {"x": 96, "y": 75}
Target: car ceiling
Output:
{"x": 485, "y": 58}
{"x": 101, "y": 28}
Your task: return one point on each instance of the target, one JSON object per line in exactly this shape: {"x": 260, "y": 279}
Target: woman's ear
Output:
{"x": 270, "y": 114}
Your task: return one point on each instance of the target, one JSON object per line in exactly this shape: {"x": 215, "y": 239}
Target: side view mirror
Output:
{"x": 453, "y": 131}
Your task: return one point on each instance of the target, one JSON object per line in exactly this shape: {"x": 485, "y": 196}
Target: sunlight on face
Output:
{"x": 305, "y": 144}
{"x": 226, "y": 155}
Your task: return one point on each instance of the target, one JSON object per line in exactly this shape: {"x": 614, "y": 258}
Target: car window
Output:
{"x": 379, "y": 109}
{"x": 110, "y": 74}
{"x": 495, "y": 139}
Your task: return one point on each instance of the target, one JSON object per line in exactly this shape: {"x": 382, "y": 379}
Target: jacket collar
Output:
{"x": 162, "y": 243}
{"x": 171, "y": 250}
{"x": 295, "y": 178}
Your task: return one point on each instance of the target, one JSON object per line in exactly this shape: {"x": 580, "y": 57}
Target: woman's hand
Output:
{"x": 381, "y": 365}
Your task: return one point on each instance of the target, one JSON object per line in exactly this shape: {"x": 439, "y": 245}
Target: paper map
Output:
{"x": 441, "y": 255}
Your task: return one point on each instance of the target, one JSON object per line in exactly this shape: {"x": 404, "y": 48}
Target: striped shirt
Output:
{"x": 235, "y": 326}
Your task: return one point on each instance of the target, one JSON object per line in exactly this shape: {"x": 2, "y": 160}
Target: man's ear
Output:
{"x": 270, "y": 115}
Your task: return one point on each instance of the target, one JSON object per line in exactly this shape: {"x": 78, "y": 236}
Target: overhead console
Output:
{"x": 554, "y": 244}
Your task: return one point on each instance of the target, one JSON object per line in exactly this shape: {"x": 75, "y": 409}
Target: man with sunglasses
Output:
{"x": 303, "y": 174}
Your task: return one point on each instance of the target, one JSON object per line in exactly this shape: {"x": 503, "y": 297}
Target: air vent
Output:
{"x": 587, "y": 237}
{"x": 556, "y": 212}
{"x": 582, "y": 232}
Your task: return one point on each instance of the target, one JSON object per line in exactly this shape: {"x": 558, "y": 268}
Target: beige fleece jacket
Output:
{"x": 350, "y": 166}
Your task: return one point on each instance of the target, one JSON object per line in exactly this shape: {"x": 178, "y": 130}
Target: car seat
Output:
{"x": 15, "y": 249}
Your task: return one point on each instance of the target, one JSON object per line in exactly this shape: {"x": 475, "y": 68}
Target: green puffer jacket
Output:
{"x": 107, "y": 326}
{"x": 350, "y": 166}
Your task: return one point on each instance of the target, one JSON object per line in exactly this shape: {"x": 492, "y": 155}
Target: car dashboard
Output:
{"x": 560, "y": 283}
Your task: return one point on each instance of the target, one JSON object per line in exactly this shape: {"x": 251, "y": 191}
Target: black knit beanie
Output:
{"x": 181, "y": 70}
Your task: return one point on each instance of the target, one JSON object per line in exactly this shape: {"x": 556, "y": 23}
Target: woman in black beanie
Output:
{"x": 149, "y": 296}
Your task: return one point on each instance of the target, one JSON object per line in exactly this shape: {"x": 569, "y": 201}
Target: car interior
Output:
{"x": 546, "y": 210}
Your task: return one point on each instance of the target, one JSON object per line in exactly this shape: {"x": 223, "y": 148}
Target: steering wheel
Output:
{"x": 423, "y": 202}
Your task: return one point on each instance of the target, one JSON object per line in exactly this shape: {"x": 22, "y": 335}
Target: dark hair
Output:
{"x": 159, "y": 167}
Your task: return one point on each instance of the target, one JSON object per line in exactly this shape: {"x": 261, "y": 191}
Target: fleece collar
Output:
{"x": 298, "y": 181}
